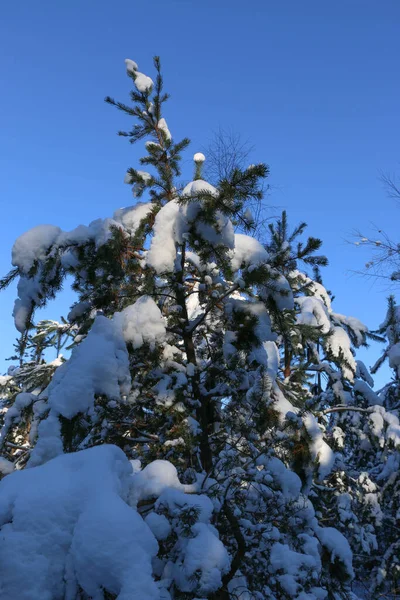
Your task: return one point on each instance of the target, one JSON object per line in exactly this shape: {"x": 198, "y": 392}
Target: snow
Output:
{"x": 190, "y": 369}
{"x": 78, "y": 310}
{"x": 131, "y": 66}
{"x": 99, "y": 365}
{"x": 393, "y": 428}
{"x": 22, "y": 400}
{"x": 143, "y": 83}
{"x": 174, "y": 499}
{"x": 33, "y": 245}
{"x": 70, "y": 521}
{"x": 141, "y": 323}
{"x": 98, "y": 231}
{"x": 248, "y": 252}
{"x": 145, "y": 176}
{"x": 337, "y": 546}
{"x": 292, "y": 564}
{"x": 319, "y": 449}
{"x": 206, "y": 555}
{"x": 159, "y": 525}
{"x": 394, "y": 357}
{"x": 153, "y": 480}
{"x": 315, "y": 289}
{"x": 131, "y": 216}
{"x": 358, "y": 328}
{"x": 280, "y": 290}
{"x": 338, "y": 343}
{"x": 363, "y": 388}
{"x": 162, "y": 253}
{"x": 29, "y": 293}
{"x": 220, "y": 235}
{"x": 248, "y": 216}
{"x": 363, "y": 373}
{"x": 162, "y": 124}
{"x": 286, "y": 480}
{"x": 6, "y": 467}
{"x": 313, "y": 312}
{"x": 199, "y": 157}
{"x": 197, "y": 187}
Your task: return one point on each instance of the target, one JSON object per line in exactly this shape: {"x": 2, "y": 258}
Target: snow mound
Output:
{"x": 248, "y": 252}
{"x": 70, "y": 521}
{"x": 162, "y": 253}
{"x": 99, "y": 365}
{"x": 33, "y": 245}
{"x": 131, "y": 216}
{"x": 143, "y": 83}
{"x": 142, "y": 322}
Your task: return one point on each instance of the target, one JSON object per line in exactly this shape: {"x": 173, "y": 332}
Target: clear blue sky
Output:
{"x": 313, "y": 85}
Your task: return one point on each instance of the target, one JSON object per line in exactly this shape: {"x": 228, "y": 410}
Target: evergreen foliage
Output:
{"x": 215, "y": 364}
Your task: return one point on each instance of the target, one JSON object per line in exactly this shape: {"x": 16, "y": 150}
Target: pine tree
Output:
{"x": 192, "y": 351}
{"x": 361, "y": 497}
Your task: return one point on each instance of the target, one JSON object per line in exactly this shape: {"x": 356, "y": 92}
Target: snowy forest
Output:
{"x": 206, "y": 429}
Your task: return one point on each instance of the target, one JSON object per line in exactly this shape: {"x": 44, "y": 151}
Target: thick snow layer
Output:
{"x": 280, "y": 290}
{"x": 281, "y": 404}
{"x": 248, "y": 252}
{"x": 205, "y": 554}
{"x": 197, "y": 187}
{"x": 29, "y": 293}
{"x": 98, "y": 231}
{"x": 320, "y": 451}
{"x": 363, "y": 373}
{"x": 173, "y": 498}
{"x": 162, "y": 124}
{"x": 291, "y": 566}
{"x": 313, "y": 312}
{"x": 153, "y": 480}
{"x": 358, "y": 328}
{"x": 363, "y": 388}
{"x": 99, "y": 365}
{"x": 199, "y": 157}
{"x": 159, "y": 525}
{"x": 337, "y": 546}
{"x": 393, "y": 426}
{"x": 143, "y": 83}
{"x": 315, "y": 289}
{"x": 220, "y": 233}
{"x": 33, "y": 245}
{"x": 162, "y": 253}
{"x": 70, "y": 522}
{"x": 284, "y": 478}
{"x": 131, "y": 216}
{"x": 339, "y": 344}
{"x": 142, "y": 322}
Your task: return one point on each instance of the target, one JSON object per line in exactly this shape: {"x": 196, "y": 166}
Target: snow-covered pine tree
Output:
{"x": 29, "y": 378}
{"x": 362, "y": 495}
{"x": 177, "y": 360}
{"x": 353, "y": 418}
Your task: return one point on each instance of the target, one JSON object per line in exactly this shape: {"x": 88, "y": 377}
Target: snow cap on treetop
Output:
{"x": 199, "y": 157}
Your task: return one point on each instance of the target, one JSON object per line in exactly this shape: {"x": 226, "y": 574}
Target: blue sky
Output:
{"x": 313, "y": 85}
